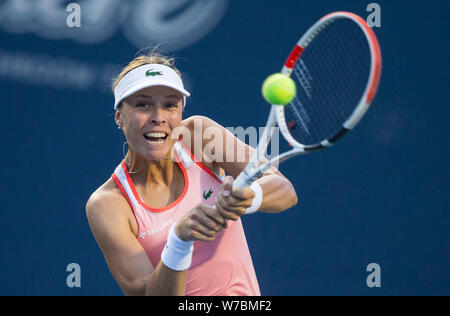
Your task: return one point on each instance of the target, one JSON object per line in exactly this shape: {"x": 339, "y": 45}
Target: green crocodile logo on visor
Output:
{"x": 152, "y": 73}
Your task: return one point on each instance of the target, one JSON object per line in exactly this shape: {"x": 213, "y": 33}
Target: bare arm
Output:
{"x": 127, "y": 260}
{"x": 279, "y": 193}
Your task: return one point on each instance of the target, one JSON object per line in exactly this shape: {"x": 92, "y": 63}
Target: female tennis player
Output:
{"x": 166, "y": 221}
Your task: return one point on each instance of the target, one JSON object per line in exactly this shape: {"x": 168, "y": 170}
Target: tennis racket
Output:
{"x": 336, "y": 66}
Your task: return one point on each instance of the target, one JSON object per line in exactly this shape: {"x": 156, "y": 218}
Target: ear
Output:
{"x": 118, "y": 120}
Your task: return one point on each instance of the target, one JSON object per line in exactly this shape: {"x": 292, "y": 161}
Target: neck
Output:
{"x": 150, "y": 172}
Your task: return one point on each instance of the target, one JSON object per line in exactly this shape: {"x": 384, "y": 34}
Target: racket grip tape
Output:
{"x": 245, "y": 180}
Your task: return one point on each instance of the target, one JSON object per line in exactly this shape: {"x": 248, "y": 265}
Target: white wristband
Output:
{"x": 177, "y": 254}
{"x": 257, "y": 200}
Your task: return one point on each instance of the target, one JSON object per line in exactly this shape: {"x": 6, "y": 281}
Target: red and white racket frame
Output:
{"x": 255, "y": 169}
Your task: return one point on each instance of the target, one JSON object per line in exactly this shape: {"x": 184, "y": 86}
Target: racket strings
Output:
{"x": 332, "y": 95}
{"x": 331, "y": 76}
{"x": 335, "y": 93}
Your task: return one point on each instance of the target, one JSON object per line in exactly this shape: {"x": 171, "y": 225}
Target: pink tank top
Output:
{"x": 223, "y": 267}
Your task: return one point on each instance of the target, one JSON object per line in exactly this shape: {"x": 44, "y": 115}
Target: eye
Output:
{"x": 142, "y": 104}
{"x": 171, "y": 105}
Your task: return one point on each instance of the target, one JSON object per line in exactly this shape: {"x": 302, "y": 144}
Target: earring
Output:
{"x": 119, "y": 126}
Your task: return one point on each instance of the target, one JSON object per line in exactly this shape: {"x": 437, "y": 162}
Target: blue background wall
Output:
{"x": 381, "y": 196}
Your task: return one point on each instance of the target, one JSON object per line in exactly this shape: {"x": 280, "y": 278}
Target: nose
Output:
{"x": 157, "y": 116}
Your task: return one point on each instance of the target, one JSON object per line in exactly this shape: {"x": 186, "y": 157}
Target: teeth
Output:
{"x": 152, "y": 135}
{"x": 153, "y": 142}
{"x": 156, "y": 135}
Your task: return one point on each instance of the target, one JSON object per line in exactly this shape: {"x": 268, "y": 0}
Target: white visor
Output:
{"x": 149, "y": 75}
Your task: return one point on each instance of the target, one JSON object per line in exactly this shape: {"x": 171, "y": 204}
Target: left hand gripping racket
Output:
{"x": 336, "y": 66}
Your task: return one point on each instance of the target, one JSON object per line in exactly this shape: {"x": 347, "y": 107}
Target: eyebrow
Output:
{"x": 173, "y": 96}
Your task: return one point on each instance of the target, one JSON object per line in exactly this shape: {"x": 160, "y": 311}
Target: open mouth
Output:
{"x": 156, "y": 137}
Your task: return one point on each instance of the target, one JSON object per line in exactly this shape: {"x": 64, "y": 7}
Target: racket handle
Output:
{"x": 245, "y": 180}
{"x": 241, "y": 181}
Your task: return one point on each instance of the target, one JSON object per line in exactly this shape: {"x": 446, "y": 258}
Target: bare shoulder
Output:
{"x": 107, "y": 202}
{"x": 198, "y": 124}
{"x": 189, "y": 127}
{"x": 189, "y": 122}
{"x": 202, "y": 121}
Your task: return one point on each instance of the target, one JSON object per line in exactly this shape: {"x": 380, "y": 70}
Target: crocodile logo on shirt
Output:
{"x": 207, "y": 195}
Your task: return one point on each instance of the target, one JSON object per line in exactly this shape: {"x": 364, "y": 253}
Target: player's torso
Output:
{"x": 221, "y": 267}
{"x": 154, "y": 223}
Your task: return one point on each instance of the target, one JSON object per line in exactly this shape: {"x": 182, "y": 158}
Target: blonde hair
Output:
{"x": 145, "y": 59}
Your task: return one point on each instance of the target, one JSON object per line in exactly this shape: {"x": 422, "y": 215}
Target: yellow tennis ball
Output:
{"x": 279, "y": 89}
